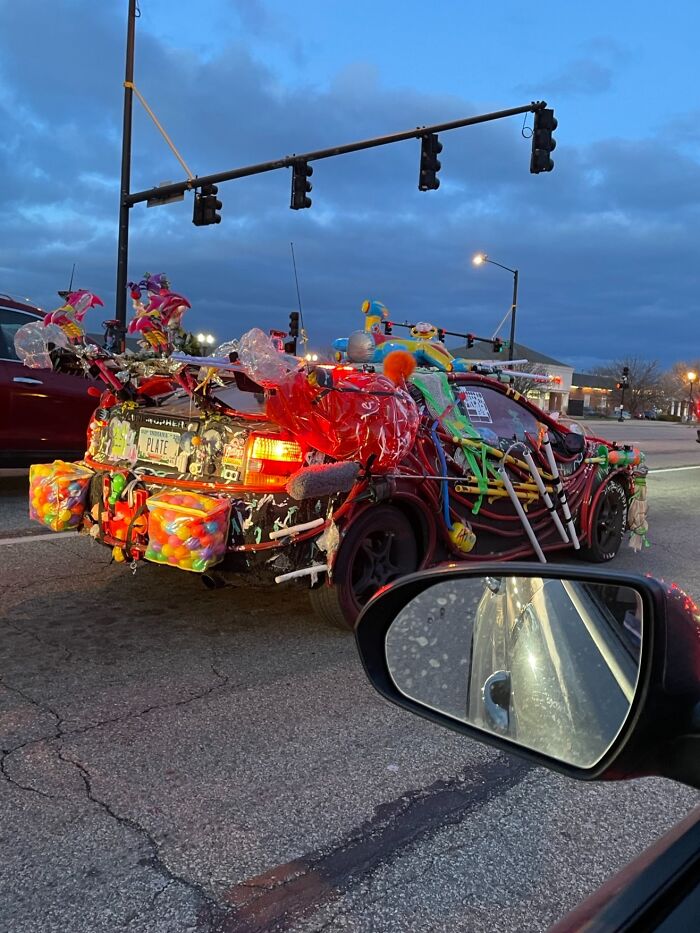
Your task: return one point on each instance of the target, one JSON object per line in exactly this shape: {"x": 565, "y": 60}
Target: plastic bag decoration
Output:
{"x": 34, "y": 340}
{"x": 157, "y": 313}
{"x": 346, "y": 414}
{"x": 69, "y": 317}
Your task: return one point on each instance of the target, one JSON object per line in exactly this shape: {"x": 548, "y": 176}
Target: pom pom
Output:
{"x": 399, "y": 365}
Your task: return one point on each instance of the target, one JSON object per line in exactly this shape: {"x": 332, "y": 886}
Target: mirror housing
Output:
{"x": 661, "y": 735}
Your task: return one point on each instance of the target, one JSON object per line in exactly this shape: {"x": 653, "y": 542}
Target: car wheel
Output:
{"x": 378, "y": 547}
{"x": 608, "y": 524}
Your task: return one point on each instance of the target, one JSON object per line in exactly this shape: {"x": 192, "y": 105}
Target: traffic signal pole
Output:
{"x": 164, "y": 193}
{"x": 511, "y": 346}
{"x": 179, "y": 187}
{"x": 124, "y": 206}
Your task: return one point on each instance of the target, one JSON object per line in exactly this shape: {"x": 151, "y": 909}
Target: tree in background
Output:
{"x": 646, "y": 388}
{"x": 528, "y": 387}
{"x": 675, "y": 383}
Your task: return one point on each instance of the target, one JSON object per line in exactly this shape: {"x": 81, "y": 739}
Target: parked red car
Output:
{"x": 42, "y": 413}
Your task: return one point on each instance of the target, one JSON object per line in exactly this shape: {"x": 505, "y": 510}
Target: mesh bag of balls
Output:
{"x": 187, "y": 530}
{"x": 58, "y": 493}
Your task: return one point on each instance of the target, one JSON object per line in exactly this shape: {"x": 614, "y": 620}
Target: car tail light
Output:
{"x": 270, "y": 460}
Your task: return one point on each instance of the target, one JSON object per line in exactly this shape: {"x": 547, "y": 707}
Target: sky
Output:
{"x": 606, "y": 245}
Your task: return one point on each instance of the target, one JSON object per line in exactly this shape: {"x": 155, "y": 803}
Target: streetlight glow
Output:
{"x": 479, "y": 259}
{"x": 692, "y": 376}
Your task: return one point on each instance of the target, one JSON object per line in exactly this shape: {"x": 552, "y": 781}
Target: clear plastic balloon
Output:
{"x": 262, "y": 361}
{"x": 228, "y": 346}
{"x": 32, "y": 343}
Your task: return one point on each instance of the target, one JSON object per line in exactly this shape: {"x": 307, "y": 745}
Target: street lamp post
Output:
{"x": 479, "y": 260}
{"x": 691, "y": 377}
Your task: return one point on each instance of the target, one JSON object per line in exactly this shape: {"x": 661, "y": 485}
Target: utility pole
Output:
{"x": 511, "y": 348}
{"x": 124, "y": 206}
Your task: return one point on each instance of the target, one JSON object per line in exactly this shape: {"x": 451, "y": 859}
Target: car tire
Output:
{"x": 378, "y": 547}
{"x": 608, "y": 524}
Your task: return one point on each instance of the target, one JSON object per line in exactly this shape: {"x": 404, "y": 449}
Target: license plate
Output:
{"x": 158, "y": 446}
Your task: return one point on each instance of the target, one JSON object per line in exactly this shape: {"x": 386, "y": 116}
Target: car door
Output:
{"x": 41, "y": 412}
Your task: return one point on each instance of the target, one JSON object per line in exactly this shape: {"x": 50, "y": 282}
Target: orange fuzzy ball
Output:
{"x": 399, "y": 365}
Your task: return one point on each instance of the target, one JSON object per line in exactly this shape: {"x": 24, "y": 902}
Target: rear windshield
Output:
{"x": 248, "y": 402}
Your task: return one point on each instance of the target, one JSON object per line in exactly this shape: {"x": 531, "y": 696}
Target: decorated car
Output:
{"x": 340, "y": 475}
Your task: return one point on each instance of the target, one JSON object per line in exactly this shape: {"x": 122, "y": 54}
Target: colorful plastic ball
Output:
{"x": 193, "y": 543}
{"x": 212, "y": 527}
{"x": 199, "y": 565}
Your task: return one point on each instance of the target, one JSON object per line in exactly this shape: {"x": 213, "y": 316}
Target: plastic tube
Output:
{"x": 559, "y": 489}
{"x": 546, "y": 498}
{"x": 445, "y": 487}
{"x": 521, "y": 514}
{"x": 295, "y": 529}
{"x": 306, "y": 572}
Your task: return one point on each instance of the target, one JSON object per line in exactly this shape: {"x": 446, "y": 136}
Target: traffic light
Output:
{"x": 542, "y": 141}
{"x": 625, "y": 376}
{"x": 470, "y": 341}
{"x": 618, "y": 385}
{"x": 498, "y": 345}
{"x": 290, "y": 345}
{"x": 206, "y": 205}
{"x": 430, "y": 165}
{"x": 301, "y": 172}
{"x": 388, "y": 328}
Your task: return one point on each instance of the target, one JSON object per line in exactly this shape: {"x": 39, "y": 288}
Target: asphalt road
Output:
{"x": 179, "y": 759}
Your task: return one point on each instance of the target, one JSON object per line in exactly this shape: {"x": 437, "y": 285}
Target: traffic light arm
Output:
{"x": 163, "y": 191}
{"x": 448, "y": 333}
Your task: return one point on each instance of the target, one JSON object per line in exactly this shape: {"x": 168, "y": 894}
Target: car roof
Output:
{"x": 19, "y": 304}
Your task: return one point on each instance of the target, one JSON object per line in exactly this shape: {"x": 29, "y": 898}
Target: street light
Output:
{"x": 691, "y": 377}
{"x": 206, "y": 340}
{"x": 479, "y": 259}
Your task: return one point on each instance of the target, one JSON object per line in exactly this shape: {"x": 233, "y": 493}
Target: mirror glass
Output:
{"x": 550, "y": 664}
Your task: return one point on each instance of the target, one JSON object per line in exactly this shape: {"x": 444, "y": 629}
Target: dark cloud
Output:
{"x": 605, "y": 243}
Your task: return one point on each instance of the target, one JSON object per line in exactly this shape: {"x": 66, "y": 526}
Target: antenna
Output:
{"x": 64, "y": 294}
{"x": 304, "y": 337}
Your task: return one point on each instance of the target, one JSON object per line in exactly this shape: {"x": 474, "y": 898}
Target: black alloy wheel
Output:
{"x": 378, "y": 547}
{"x": 608, "y": 524}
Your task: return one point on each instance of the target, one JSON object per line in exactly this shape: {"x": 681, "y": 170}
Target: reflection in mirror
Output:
{"x": 550, "y": 664}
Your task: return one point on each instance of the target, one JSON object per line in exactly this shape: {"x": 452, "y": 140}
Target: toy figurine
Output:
{"x": 158, "y": 312}
{"x": 372, "y": 346}
{"x": 70, "y": 315}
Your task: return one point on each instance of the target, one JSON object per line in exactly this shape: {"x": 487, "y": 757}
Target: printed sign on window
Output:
{"x": 477, "y": 409}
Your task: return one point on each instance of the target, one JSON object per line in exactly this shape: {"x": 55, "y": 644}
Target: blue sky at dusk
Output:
{"x": 606, "y": 245}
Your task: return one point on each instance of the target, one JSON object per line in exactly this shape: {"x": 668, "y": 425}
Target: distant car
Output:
{"x": 650, "y": 415}
{"x": 43, "y": 413}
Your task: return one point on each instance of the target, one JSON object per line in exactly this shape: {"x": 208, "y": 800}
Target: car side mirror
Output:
{"x": 588, "y": 672}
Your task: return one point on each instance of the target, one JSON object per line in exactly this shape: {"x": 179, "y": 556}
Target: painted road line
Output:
{"x": 674, "y": 469}
{"x": 52, "y": 535}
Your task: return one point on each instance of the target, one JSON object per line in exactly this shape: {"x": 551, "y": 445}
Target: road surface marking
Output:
{"x": 23, "y": 539}
{"x": 674, "y": 469}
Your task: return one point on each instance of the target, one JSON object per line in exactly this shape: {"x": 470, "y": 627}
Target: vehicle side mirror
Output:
{"x": 588, "y": 672}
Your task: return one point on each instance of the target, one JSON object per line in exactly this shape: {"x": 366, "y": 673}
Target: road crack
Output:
{"x": 60, "y": 733}
{"x": 212, "y": 911}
